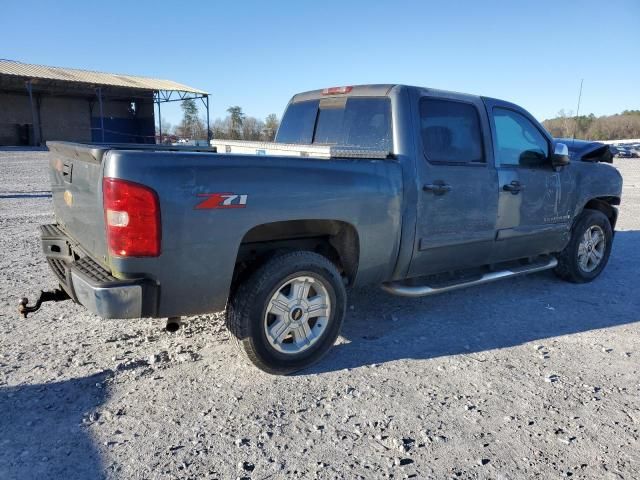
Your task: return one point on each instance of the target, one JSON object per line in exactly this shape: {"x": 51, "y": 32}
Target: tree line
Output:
{"x": 239, "y": 126}
{"x": 235, "y": 126}
{"x": 589, "y": 127}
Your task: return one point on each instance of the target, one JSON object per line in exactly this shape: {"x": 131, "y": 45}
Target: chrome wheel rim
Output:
{"x": 591, "y": 248}
{"x": 297, "y": 315}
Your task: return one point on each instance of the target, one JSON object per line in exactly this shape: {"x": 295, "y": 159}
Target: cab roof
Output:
{"x": 372, "y": 90}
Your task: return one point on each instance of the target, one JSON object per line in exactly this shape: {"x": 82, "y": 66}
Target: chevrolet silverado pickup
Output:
{"x": 415, "y": 190}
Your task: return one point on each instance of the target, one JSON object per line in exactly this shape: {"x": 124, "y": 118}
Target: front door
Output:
{"x": 534, "y": 208}
{"x": 457, "y": 207}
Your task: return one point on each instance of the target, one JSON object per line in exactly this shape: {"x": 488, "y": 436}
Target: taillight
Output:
{"x": 336, "y": 90}
{"x": 132, "y": 216}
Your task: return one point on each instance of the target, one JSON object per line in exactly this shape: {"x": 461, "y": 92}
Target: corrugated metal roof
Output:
{"x": 27, "y": 70}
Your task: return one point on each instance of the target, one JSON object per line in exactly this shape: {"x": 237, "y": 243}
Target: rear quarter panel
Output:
{"x": 199, "y": 246}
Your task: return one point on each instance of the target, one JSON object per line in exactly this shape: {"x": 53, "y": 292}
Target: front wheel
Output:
{"x": 289, "y": 312}
{"x": 588, "y": 250}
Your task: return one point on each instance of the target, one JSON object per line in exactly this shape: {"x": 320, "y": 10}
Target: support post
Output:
{"x": 99, "y": 92}
{"x": 208, "y": 126}
{"x": 35, "y": 140}
{"x": 159, "y": 118}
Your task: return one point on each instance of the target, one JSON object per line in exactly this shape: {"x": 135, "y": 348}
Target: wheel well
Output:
{"x": 336, "y": 240}
{"x": 606, "y": 206}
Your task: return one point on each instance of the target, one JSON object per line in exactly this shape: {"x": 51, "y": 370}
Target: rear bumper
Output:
{"x": 90, "y": 284}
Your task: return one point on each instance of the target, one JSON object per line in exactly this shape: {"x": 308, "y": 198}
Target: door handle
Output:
{"x": 437, "y": 188}
{"x": 513, "y": 187}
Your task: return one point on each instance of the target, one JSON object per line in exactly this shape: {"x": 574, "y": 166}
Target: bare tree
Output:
{"x": 252, "y": 129}
{"x": 271, "y": 124}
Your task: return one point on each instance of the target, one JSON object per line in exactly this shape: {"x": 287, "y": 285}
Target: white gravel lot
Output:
{"x": 528, "y": 378}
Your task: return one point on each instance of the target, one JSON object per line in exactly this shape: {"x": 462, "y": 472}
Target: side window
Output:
{"x": 518, "y": 141}
{"x": 450, "y": 131}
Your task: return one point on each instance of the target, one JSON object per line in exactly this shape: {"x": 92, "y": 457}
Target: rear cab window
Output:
{"x": 451, "y": 132}
{"x": 347, "y": 121}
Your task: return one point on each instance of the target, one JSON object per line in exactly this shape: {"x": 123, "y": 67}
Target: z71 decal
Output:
{"x": 221, "y": 200}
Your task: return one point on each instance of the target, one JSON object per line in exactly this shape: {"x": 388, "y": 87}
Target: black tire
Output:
{"x": 246, "y": 310}
{"x": 568, "y": 265}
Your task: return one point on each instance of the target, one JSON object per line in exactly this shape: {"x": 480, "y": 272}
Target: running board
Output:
{"x": 404, "y": 290}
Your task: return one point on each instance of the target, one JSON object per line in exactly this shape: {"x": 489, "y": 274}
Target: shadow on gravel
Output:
{"x": 382, "y": 328}
{"x": 26, "y": 195}
{"x": 41, "y": 431}
{"x": 24, "y": 149}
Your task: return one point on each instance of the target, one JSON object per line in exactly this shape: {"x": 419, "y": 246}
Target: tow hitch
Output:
{"x": 56, "y": 295}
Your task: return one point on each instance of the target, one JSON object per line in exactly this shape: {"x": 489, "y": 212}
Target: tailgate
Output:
{"x": 76, "y": 186}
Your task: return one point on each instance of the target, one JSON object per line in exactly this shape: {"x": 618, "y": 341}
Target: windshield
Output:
{"x": 352, "y": 121}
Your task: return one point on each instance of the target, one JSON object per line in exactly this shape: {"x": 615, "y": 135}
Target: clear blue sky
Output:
{"x": 256, "y": 54}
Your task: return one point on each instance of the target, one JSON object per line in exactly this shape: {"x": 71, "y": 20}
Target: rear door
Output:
{"x": 534, "y": 198}
{"x": 458, "y": 204}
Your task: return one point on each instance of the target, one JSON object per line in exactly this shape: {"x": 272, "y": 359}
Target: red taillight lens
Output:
{"x": 132, "y": 217}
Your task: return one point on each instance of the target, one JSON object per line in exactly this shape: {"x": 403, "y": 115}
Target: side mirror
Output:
{"x": 560, "y": 155}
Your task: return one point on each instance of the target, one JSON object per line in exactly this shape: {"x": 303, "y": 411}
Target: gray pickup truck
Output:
{"x": 423, "y": 191}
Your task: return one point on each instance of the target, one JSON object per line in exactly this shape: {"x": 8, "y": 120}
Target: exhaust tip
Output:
{"x": 173, "y": 324}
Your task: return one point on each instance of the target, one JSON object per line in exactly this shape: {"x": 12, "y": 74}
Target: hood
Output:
{"x": 588, "y": 150}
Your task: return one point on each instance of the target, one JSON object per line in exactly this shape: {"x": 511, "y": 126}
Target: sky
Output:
{"x": 257, "y": 54}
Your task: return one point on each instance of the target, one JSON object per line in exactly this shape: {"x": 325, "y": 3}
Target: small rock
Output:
{"x": 187, "y": 357}
{"x": 551, "y": 378}
{"x": 159, "y": 357}
{"x": 240, "y": 442}
{"x": 408, "y": 444}
{"x": 566, "y": 440}
{"x": 483, "y": 461}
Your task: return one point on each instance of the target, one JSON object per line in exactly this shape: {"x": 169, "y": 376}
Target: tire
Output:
{"x": 273, "y": 300}
{"x": 571, "y": 264}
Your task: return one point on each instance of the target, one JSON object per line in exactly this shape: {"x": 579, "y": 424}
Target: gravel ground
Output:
{"x": 528, "y": 378}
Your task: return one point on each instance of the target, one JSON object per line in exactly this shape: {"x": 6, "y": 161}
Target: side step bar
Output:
{"x": 404, "y": 290}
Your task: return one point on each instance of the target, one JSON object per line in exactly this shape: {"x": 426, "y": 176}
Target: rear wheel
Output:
{"x": 289, "y": 312}
{"x": 588, "y": 251}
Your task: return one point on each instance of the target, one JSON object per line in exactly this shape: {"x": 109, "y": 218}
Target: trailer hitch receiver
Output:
{"x": 56, "y": 295}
